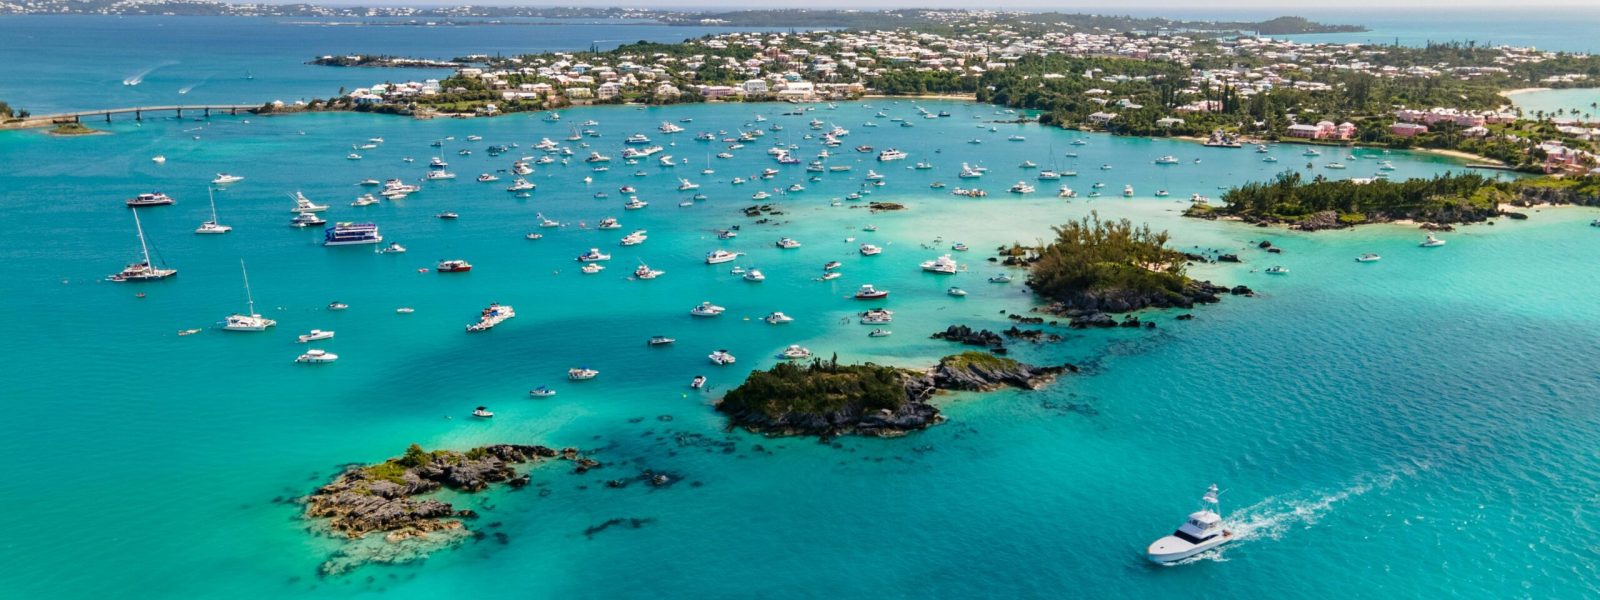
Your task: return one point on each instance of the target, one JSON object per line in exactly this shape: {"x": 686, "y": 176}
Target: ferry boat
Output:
{"x": 721, "y": 357}
{"x": 944, "y": 265}
{"x": 302, "y": 204}
{"x": 316, "y": 334}
{"x": 225, "y": 179}
{"x": 706, "y": 309}
{"x": 143, "y": 270}
{"x": 316, "y": 357}
{"x": 891, "y": 154}
{"x": 453, "y": 266}
{"x": 867, "y": 292}
{"x": 350, "y": 234}
{"x": 494, "y": 315}
{"x": 1201, "y": 532}
{"x": 305, "y": 219}
{"x": 251, "y": 320}
{"x": 870, "y": 250}
{"x": 582, "y": 374}
{"x": 778, "y": 318}
{"x": 720, "y": 256}
{"x": 151, "y": 199}
{"x": 593, "y": 255}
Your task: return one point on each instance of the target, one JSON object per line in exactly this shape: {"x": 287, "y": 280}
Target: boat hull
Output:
{"x": 1171, "y": 549}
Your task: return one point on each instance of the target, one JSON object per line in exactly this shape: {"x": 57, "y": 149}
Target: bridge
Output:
{"x": 139, "y": 111}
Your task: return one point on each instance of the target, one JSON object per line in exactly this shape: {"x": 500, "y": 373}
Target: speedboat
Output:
{"x": 592, "y": 268}
{"x": 393, "y": 248}
{"x": 698, "y": 382}
{"x": 541, "y": 392}
{"x": 1368, "y": 257}
{"x": 1277, "y": 270}
{"x": 645, "y": 272}
{"x": 1201, "y": 532}
{"x": 795, "y": 352}
{"x": 225, "y": 179}
{"x": 660, "y": 340}
{"x": 788, "y": 244}
{"x": 1021, "y": 187}
{"x": 482, "y": 412}
{"x": 870, "y": 250}
{"x": 955, "y": 291}
{"x": 306, "y": 220}
{"x": 706, "y": 309}
{"x": 721, "y": 357}
{"x": 1432, "y": 242}
{"x": 582, "y": 374}
{"x": 879, "y": 333}
{"x": 1001, "y": 278}
{"x": 877, "y": 315}
{"x": 302, "y": 204}
{"x": 337, "y": 306}
{"x": 754, "y": 275}
{"x": 608, "y": 223}
{"x": 316, "y": 334}
{"x": 635, "y": 238}
{"x": 778, "y": 318}
{"x": 316, "y": 357}
{"x": 593, "y": 255}
{"x": 720, "y": 256}
{"x": 867, "y": 292}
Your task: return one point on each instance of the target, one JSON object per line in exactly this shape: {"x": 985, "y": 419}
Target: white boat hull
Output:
{"x": 1172, "y": 548}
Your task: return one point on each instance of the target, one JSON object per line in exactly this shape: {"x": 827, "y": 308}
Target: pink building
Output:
{"x": 1407, "y": 129}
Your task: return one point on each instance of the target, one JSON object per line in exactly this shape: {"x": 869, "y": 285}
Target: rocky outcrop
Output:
{"x": 911, "y": 411}
{"x": 384, "y": 498}
{"x": 1123, "y": 300}
{"x": 981, "y": 338}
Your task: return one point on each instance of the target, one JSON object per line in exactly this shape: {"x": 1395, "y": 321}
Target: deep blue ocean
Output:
{"x": 1419, "y": 427}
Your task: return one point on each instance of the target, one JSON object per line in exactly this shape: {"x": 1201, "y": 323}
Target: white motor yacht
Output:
{"x": 1432, "y": 242}
{"x": 795, "y": 352}
{"x": 316, "y": 334}
{"x": 1201, "y": 532}
{"x": 778, "y": 318}
{"x": 302, "y": 204}
{"x": 944, "y": 265}
{"x": 225, "y": 179}
{"x": 316, "y": 357}
{"x": 706, "y": 309}
{"x": 721, "y": 357}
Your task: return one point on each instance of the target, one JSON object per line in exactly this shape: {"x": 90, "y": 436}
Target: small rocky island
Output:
{"x": 1098, "y": 267}
{"x": 385, "y": 498}
{"x": 828, "y": 399}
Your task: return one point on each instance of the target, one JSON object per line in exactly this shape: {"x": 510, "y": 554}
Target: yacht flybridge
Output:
{"x": 1201, "y": 532}
{"x": 251, "y": 320}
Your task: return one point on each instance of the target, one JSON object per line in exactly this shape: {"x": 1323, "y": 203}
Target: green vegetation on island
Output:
{"x": 1096, "y": 266}
{"x": 1320, "y": 203}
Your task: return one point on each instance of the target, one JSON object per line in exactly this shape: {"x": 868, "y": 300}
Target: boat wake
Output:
{"x": 138, "y": 78}
{"x": 1274, "y": 517}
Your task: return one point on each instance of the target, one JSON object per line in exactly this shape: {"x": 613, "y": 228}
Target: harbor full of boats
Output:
{"x": 577, "y": 360}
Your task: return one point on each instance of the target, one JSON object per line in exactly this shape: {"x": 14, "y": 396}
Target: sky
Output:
{"x": 1272, "y": 7}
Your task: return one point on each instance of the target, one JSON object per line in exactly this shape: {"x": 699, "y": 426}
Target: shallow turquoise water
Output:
{"x": 1421, "y": 426}
{"x": 1573, "y": 102}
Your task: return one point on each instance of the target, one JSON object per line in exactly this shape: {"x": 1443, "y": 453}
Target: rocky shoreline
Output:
{"x": 850, "y": 412}
{"x": 383, "y": 498}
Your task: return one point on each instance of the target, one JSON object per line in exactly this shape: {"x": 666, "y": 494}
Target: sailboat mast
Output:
{"x": 247, "y": 297}
{"x": 143, "y": 247}
{"x": 213, "y": 197}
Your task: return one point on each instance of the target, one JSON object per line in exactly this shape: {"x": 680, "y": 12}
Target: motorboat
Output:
{"x": 225, "y": 179}
{"x": 1369, "y": 257}
{"x": 645, "y": 272}
{"x": 955, "y": 291}
{"x": 150, "y": 199}
{"x": 891, "y": 154}
{"x": 721, "y": 357}
{"x": 720, "y": 256}
{"x": 788, "y": 244}
{"x": 482, "y": 412}
{"x": 754, "y": 276}
{"x": 541, "y": 392}
{"x": 302, "y": 204}
{"x": 546, "y": 222}
{"x": 867, "y": 292}
{"x": 879, "y": 333}
{"x": 635, "y": 238}
{"x": 365, "y": 200}
{"x": 316, "y": 334}
{"x": 582, "y": 374}
{"x": 1432, "y": 242}
{"x": 1167, "y": 160}
{"x": 698, "y": 382}
{"x": 1127, "y": 191}
{"x": 592, "y": 268}
{"x": 438, "y": 175}
{"x": 1021, "y": 187}
{"x": 959, "y": 247}
{"x": 1277, "y": 270}
{"x": 494, "y": 315}
{"x": 877, "y": 315}
{"x": 660, "y": 340}
{"x": 488, "y": 177}
{"x": 393, "y": 248}
{"x": 634, "y": 203}
{"x": 831, "y": 265}
{"x": 1001, "y": 278}
{"x": 405, "y": 310}
{"x": 778, "y": 318}
{"x": 593, "y": 255}
{"x": 870, "y": 250}
{"x": 795, "y": 352}
{"x": 1202, "y": 531}
{"x": 337, "y": 306}
{"x": 315, "y": 356}
{"x": 453, "y": 266}
{"x": 944, "y": 265}
{"x": 303, "y": 220}
{"x": 448, "y": 215}
{"x": 706, "y": 309}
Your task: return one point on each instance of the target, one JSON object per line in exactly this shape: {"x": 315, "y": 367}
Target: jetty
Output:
{"x": 138, "y": 113}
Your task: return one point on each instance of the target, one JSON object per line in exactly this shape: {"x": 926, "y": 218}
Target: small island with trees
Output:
{"x": 827, "y": 399}
{"x": 1436, "y": 202}
{"x": 1095, "y": 267}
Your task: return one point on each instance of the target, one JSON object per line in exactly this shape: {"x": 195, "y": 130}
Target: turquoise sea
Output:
{"x": 1419, "y": 427}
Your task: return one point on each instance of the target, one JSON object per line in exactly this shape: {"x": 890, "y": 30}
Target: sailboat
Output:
{"x": 212, "y": 226}
{"x": 143, "y": 270}
{"x": 252, "y": 321}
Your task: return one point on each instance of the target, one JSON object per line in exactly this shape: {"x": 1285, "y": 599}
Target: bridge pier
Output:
{"x": 180, "y": 113}
{"x": 138, "y": 115}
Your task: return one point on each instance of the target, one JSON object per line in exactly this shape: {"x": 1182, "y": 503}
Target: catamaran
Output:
{"x": 142, "y": 270}
{"x": 212, "y": 226}
{"x": 251, "y": 320}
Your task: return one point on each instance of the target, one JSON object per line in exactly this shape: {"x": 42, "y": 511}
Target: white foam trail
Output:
{"x": 1274, "y": 517}
{"x": 138, "y": 78}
